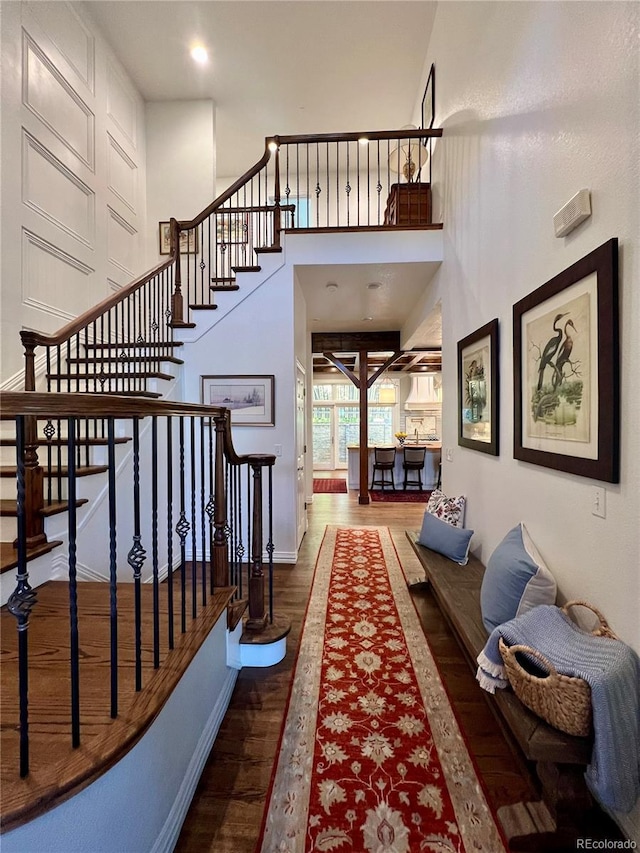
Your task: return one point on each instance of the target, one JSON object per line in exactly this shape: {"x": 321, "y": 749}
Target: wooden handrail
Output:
{"x": 420, "y": 133}
{"x": 187, "y": 224}
{"x": 45, "y": 405}
{"x": 31, "y": 338}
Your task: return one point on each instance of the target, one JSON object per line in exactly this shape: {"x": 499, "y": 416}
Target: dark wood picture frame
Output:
{"x": 250, "y": 398}
{"x": 188, "y": 240}
{"x": 567, "y": 406}
{"x": 428, "y": 106}
{"x": 479, "y": 390}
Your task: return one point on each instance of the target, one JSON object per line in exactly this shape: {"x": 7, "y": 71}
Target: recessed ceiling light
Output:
{"x": 374, "y": 285}
{"x": 199, "y": 54}
{"x": 331, "y": 285}
{"x": 366, "y": 319}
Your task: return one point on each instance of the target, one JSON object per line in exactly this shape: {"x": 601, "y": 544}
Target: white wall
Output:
{"x": 539, "y": 100}
{"x": 72, "y": 175}
{"x": 181, "y": 157}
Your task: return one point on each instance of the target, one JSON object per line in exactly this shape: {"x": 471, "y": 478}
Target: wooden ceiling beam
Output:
{"x": 355, "y": 342}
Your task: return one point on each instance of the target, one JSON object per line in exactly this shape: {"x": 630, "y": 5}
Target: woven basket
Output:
{"x": 563, "y": 701}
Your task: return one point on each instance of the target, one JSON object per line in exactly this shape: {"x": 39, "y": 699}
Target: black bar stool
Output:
{"x": 413, "y": 460}
{"x": 384, "y": 459}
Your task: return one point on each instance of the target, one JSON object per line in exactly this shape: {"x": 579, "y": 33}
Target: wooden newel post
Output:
{"x": 220, "y": 557}
{"x": 33, "y": 474}
{"x": 277, "y": 215}
{"x": 177, "y": 302}
{"x": 258, "y": 616}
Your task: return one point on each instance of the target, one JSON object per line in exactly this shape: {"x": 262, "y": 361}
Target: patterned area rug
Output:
{"x": 323, "y": 485}
{"x": 408, "y": 496}
{"x": 371, "y": 756}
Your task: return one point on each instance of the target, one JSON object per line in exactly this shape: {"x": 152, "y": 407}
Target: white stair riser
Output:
{"x": 8, "y": 529}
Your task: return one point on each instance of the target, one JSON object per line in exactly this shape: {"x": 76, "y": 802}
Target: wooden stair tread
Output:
{"x": 203, "y": 307}
{"x": 9, "y": 555}
{"x": 135, "y": 359}
{"x": 254, "y": 268}
{"x": 62, "y": 442}
{"x": 97, "y": 377}
{"x": 221, "y": 288}
{"x": 224, "y": 280}
{"x": 133, "y": 345}
{"x": 57, "y": 770}
{"x": 267, "y": 249}
{"x": 151, "y": 394}
{"x": 63, "y": 470}
{"x": 9, "y": 507}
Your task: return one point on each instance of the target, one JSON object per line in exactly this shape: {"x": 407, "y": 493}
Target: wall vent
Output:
{"x": 575, "y": 211}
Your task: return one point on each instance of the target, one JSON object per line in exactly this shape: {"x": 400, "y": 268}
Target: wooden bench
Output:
{"x": 560, "y": 759}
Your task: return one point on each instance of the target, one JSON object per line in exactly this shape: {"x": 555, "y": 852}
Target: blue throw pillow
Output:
{"x": 516, "y": 579}
{"x": 452, "y": 542}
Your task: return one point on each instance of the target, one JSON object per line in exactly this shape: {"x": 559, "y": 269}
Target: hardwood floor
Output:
{"x": 226, "y": 811}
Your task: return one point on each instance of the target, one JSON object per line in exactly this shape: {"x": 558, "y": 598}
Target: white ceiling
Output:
{"x": 287, "y": 67}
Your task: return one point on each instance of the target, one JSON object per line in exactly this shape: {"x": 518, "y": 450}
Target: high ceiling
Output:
{"x": 289, "y": 67}
{"x": 275, "y": 66}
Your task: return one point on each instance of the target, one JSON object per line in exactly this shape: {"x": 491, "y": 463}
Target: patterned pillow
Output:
{"x": 447, "y": 509}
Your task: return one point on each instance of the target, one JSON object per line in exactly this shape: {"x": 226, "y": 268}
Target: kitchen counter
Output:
{"x": 429, "y": 471}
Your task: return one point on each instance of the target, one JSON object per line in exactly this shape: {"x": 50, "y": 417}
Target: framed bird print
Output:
{"x": 478, "y": 390}
{"x": 566, "y": 370}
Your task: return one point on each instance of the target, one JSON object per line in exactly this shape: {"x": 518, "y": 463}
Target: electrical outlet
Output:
{"x": 278, "y": 450}
{"x": 449, "y": 454}
{"x": 599, "y": 506}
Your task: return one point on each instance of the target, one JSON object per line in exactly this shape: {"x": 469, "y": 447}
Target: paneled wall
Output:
{"x": 72, "y": 173}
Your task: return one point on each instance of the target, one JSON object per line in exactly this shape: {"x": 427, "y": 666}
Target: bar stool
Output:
{"x": 384, "y": 459}
{"x": 413, "y": 461}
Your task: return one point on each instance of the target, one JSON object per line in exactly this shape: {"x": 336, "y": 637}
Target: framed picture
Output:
{"x": 250, "y": 398}
{"x": 232, "y": 227}
{"x": 478, "y": 390}
{"x": 188, "y": 240}
{"x": 428, "y": 108}
{"x": 566, "y": 370}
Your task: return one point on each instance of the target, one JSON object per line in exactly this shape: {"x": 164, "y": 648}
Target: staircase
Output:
{"x": 173, "y": 545}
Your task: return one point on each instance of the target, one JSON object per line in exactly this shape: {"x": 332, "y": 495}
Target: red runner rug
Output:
{"x": 322, "y": 485}
{"x": 408, "y": 496}
{"x": 371, "y": 758}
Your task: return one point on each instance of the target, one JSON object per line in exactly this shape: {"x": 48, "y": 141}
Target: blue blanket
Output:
{"x": 610, "y": 667}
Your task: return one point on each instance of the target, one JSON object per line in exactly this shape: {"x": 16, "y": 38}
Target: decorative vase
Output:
{"x": 401, "y": 441}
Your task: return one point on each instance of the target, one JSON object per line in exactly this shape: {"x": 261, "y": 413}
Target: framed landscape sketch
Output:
{"x": 232, "y": 227}
{"x": 188, "y": 240}
{"x": 566, "y": 369}
{"x": 478, "y": 390}
{"x": 250, "y": 398}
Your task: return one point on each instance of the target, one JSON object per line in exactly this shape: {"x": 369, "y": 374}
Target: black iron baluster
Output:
{"x": 203, "y": 527}
{"x": 73, "y": 584}
{"x": 113, "y": 567}
{"x": 270, "y": 545}
{"x": 211, "y": 506}
{"x": 194, "y": 538}
{"x": 182, "y": 528}
{"x": 170, "y": 528}
{"x": 154, "y": 541}
{"x": 136, "y": 555}
{"x": 22, "y": 600}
